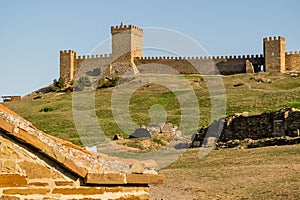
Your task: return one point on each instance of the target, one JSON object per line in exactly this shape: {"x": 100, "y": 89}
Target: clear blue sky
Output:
{"x": 33, "y": 32}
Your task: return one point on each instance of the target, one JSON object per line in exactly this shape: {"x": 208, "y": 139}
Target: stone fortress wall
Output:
{"x": 292, "y": 61}
{"x": 225, "y": 65}
{"x": 127, "y": 54}
{"x": 70, "y": 63}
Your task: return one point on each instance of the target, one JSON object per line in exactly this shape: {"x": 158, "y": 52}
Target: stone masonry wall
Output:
{"x": 24, "y": 175}
{"x": 34, "y": 165}
{"x": 92, "y": 65}
{"x": 274, "y": 52}
{"x": 285, "y": 122}
{"x": 67, "y": 64}
{"x": 292, "y": 61}
{"x": 225, "y": 65}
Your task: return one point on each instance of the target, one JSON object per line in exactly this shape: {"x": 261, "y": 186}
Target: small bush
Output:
{"x": 135, "y": 144}
{"x": 46, "y": 109}
{"x": 61, "y": 83}
{"x": 108, "y": 82}
{"x": 82, "y": 83}
{"x": 58, "y": 84}
{"x": 158, "y": 141}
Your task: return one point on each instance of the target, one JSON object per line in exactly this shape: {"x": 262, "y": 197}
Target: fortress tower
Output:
{"x": 126, "y": 42}
{"x": 67, "y": 65}
{"x": 274, "y": 52}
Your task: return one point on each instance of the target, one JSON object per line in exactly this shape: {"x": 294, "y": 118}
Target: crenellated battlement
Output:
{"x": 93, "y": 56}
{"x": 234, "y": 57}
{"x": 72, "y": 52}
{"x": 274, "y": 38}
{"x": 292, "y": 53}
{"x": 67, "y": 51}
{"x": 122, "y": 27}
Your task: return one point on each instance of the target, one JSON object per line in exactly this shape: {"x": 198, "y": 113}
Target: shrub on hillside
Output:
{"x": 82, "y": 83}
{"x": 108, "y": 82}
{"x": 46, "y": 109}
{"x": 58, "y": 84}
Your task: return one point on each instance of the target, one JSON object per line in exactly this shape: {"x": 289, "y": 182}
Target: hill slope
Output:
{"x": 53, "y": 112}
{"x": 262, "y": 173}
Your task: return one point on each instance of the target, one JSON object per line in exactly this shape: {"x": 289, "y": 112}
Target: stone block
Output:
{"x": 9, "y": 198}
{"x": 149, "y": 164}
{"x": 64, "y": 183}
{"x": 144, "y": 178}
{"x": 135, "y": 189}
{"x": 79, "y": 191}
{"x": 113, "y": 189}
{"x": 8, "y": 166}
{"x": 40, "y": 184}
{"x": 75, "y": 168}
{"x": 56, "y": 175}
{"x": 30, "y": 139}
{"x": 55, "y": 154}
{"x": 12, "y": 180}
{"x": 6, "y": 126}
{"x": 35, "y": 171}
{"x": 249, "y": 67}
{"x": 137, "y": 168}
{"x": 136, "y": 197}
{"x": 7, "y": 151}
{"x": 112, "y": 178}
{"x": 26, "y": 191}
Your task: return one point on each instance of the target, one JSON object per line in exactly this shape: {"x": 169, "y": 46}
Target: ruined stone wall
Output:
{"x": 285, "y": 122}
{"x": 225, "y": 65}
{"x": 292, "y": 61}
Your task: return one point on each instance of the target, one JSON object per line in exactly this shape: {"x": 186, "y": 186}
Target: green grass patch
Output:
{"x": 251, "y": 96}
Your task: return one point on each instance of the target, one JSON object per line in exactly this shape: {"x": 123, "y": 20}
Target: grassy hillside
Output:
{"x": 243, "y": 93}
{"x": 262, "y": 173}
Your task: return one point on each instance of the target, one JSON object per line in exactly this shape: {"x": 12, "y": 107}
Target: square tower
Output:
{"x": 274, "y": 52}
{"x": 126, "y": 42}
{"x": 67, "y": 65}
